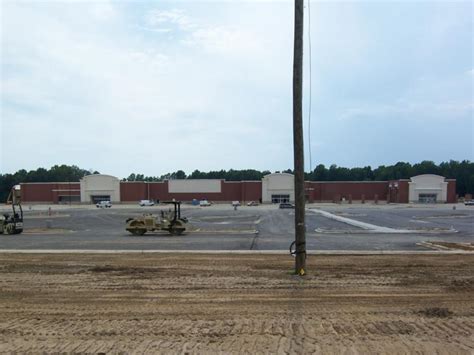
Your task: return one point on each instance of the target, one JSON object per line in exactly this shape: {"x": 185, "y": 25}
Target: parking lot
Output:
{"x": 354, "y": 227}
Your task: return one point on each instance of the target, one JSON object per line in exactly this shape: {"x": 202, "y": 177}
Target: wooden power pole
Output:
{"x": 300, "y": 237}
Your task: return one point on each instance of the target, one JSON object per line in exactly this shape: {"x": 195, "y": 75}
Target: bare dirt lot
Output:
{"x": 197, "y": 303}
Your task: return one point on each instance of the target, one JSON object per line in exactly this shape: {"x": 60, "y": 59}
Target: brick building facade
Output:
{"x": 92, "y": 187}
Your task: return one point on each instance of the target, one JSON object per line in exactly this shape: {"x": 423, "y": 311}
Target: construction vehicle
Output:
{"x": 170, "y": 221}
{"x": 13, "y": 223}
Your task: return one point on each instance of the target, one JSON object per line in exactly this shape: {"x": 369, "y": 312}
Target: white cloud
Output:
{"x": 177, "y": 17}
{"x": 210, "y": 38}
{"x": 172, "y": 89}
{"x": 103, "y": 10}
{"x": 222, "y": 40}
{"x": 79, "y": 87}
{"x": 424, "y": 99}
{"x": 411, "y": 111}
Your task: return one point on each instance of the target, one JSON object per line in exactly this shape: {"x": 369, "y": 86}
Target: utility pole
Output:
{"x": 298, "y": 146}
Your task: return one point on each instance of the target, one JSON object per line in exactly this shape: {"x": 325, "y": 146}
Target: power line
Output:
{"x": 309, "y": 111}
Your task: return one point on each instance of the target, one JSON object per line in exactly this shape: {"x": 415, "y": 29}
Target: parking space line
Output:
{"x": 372, "y": 228}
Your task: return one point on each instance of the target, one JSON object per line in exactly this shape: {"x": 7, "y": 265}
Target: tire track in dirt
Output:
{"x": 234, "y": 304}
{"x": 310, "y": 333}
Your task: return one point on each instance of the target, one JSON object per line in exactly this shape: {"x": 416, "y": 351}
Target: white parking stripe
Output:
{"x": 373, "y": 227}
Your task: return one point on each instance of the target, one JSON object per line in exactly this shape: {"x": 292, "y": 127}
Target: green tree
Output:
{"x": 320, "y": 173}
{"x": 132, "y": 177}
{"x": 426, "y": 167}
{"x": 180, "y": 174}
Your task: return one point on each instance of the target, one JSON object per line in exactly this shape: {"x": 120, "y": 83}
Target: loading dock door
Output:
{"x": 427, "y": 198}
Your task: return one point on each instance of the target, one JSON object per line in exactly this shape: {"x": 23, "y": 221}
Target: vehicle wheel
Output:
{"x": 138, "y": 231}
{"x": 178, "y": 228}
{"x": 138, "y": 228}
{"x": 176, "y": 231}
{"x": 17, "y": 231}
{"x": 10, "y": 228}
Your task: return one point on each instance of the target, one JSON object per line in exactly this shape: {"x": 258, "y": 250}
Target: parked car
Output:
{"x": 144, "y": 203}
{"x": 469, "y": 203}
{"x": 204, "y": 203}
{"x": 235, "y": 203}
{"x": 286, "y": 205}
{"x": 103, "y": 204}
{"x": 252, "y": 203}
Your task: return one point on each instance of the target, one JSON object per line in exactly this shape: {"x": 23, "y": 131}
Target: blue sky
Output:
{"x": 153, "y": 87}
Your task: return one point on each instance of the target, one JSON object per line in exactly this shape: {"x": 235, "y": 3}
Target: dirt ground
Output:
{"x": 191, "y": 303}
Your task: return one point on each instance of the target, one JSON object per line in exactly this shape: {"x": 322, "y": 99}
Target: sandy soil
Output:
{"x": 189, "y": 303}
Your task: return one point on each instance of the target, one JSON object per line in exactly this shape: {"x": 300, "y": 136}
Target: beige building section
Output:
{"x": 194, "y": 186}
{"x": 275, "y": 188}
{"x": 428, "y": 188}
{"x": 99, "y": 186}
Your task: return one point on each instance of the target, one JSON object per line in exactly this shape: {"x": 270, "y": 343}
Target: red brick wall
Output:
{"x": 251, "y": 191}
{"x": 328, "y": 191}
{"x": 403, "y": 191}
{"x": 451, "y": 196}
{"x": 37, "y": 192}
{"x": 159, "y": 191}
{"x": 231, "y": 191}
{"x": 48, "y": 192}
{"x": 398, "y": 194}
{"x": 133, "y": 191}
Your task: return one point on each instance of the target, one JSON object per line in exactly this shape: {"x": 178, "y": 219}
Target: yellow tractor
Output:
{"x": 170, "y": 221}
{"x": 13, "y": 223}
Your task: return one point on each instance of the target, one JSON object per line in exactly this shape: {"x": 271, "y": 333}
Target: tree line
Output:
{"x": 462, "y": 171}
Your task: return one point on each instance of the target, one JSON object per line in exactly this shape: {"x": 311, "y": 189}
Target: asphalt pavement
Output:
{"x": 265, "y": 227}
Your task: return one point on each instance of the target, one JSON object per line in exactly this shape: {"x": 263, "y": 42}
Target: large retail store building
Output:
{"x": 273, "y": 188}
